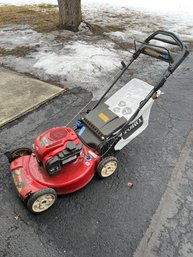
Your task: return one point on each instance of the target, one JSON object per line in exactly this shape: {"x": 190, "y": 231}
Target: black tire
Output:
{"x": 107, "y": 167}
{"x": 42, "y": 200}
{"x": 16, "y": 153}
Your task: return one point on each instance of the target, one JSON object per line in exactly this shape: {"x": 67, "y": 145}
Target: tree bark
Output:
{"x": 70, "y": 14}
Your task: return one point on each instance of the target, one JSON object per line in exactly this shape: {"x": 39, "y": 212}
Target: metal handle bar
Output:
{"x": 183, "y": 53}
{"x": 165, "y": 41}
{"x": 173, "y": 63}
{"x": 177, "y": 41}
{"x": 159, "y": 52}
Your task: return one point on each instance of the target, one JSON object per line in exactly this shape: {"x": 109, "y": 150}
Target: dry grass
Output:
{"x": 99, "y": 29}
{"x": 42, "y": 18}
{"x": 17, "y": 52}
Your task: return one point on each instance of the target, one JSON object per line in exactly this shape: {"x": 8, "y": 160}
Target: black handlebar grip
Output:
{"x": 168, "y": 34}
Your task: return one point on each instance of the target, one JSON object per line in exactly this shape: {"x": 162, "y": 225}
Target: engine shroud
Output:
{"x": 57, "y": 147}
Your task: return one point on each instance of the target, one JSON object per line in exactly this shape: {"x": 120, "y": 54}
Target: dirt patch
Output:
{"x": 42, "y": 18}
{"x": 18, "y": 51}
{"x": 46, "y": 6}
{"x": 98, "y": 29}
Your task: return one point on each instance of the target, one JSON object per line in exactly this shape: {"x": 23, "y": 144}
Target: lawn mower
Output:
{"x": 65, "y": 159}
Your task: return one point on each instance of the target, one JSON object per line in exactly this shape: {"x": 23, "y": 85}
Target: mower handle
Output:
{"x": 163, "y": 54}
{"x": 152, "y": 50}
{"x": 155, "y": 51}
{"x": 174, "y": 40}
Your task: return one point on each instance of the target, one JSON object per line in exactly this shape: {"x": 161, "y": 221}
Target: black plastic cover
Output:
{"x": 99, "y": 124}
{"x": 71, "y": 153}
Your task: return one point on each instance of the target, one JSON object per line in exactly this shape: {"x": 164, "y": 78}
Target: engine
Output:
{"x": 57, "y": 147}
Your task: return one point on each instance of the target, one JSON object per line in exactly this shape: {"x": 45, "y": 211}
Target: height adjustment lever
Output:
{"x": 123, "y": 65}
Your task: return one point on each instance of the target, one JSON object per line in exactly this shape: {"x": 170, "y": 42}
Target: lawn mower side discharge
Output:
{"x": 64, "y": 160}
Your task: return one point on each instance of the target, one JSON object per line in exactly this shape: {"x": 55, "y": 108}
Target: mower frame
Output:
{"x": 155, "y": 51}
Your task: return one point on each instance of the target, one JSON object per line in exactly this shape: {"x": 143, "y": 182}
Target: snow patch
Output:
{"x": 11, "y": 38}
{"x": 79, "y": 62}
{"x": 87, "y": 60}
{"x": 178, "y": 7}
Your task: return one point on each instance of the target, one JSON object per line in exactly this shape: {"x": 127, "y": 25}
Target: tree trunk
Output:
{"x": 70, "y": 14}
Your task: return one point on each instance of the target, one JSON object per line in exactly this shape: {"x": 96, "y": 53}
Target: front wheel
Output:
{"x": 107, "y": 166}
{"x": 41, "y": 200}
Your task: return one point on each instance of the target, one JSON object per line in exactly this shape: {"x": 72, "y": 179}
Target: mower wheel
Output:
{"x": 107, "y": 166}
{"x": 41, "y": 200}
{"x": 16, "y": 153}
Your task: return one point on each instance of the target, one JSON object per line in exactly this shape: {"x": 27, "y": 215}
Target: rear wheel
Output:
{"x": 107, "y": 166}
{"x": 41, "y": 200}
{"x": 16, "y": 153}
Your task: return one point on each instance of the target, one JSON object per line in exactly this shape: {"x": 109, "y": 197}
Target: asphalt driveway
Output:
{"x": 106, "y": 218}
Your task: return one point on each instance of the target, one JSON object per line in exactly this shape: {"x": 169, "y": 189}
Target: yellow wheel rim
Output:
{"x": 43, "y": 202}
{"x": 109, "y": 169}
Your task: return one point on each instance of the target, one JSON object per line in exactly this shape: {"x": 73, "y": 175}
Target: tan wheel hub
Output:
{"x": 43, "y": 202}
{"x": 109, "y": 169}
